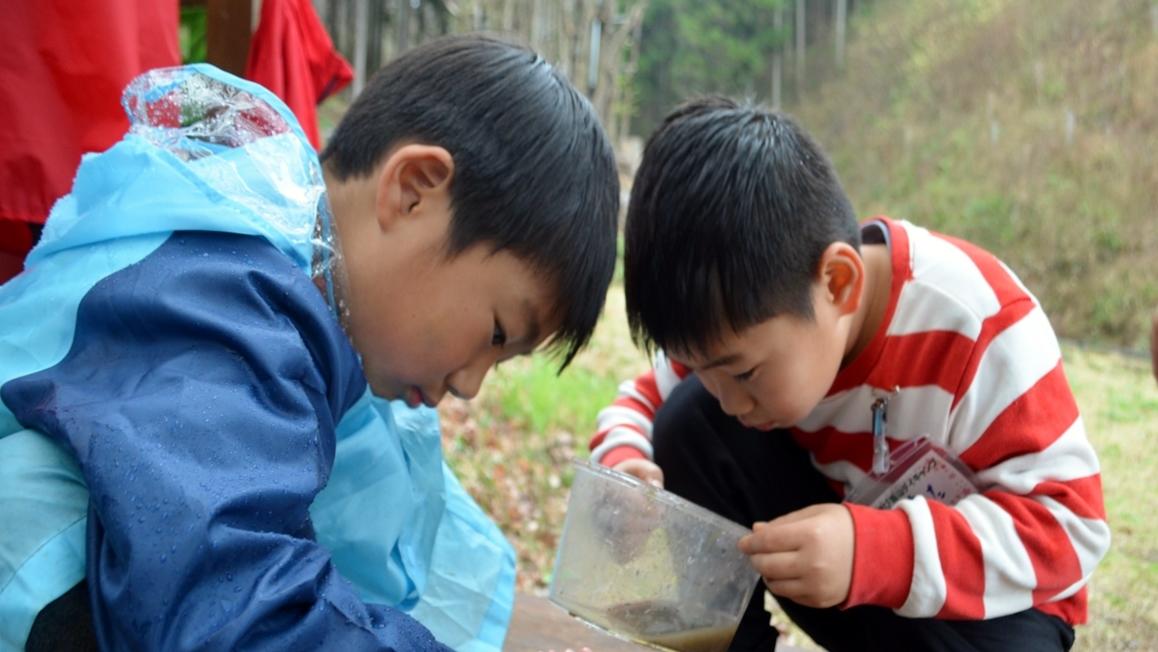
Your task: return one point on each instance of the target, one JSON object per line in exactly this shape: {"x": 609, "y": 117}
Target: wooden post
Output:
{"x": 227, "y": 33}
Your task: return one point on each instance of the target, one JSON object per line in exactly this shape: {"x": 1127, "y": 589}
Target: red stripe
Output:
{"x": 647, "y": 388}
{"x": 1031, "y": 423}
{"x": 635, "y": 405}
{"x": 921, "y": 359}
{"x": 1055, "y": 564}
{"x": 1082, "y": 496}
{"x": 883, "y": 554}
{"x": 959, "y": 550}
{"x": 990, "y": 329}
{"x": 1073, "y": 609}
{"x": 621, "y": 453}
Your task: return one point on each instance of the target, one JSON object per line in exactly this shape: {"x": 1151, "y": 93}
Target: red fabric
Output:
{"x": 63, "y": 66}
{"x": 873, "y": 573}
{"x": 62, "y": 69}
{"x": 292, "y": 55}
{"x": 15, "y": 243}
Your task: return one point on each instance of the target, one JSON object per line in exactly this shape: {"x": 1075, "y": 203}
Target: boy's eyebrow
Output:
{"x": 720, "y": 362}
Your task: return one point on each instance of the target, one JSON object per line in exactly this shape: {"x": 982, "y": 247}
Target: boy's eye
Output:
{"x": 745, "y": 375}
{"x": 498, "y": 335}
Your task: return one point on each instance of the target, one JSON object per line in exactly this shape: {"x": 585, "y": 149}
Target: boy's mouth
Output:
{"x": 414, "y": 397}
{"x": 764, "y": 427}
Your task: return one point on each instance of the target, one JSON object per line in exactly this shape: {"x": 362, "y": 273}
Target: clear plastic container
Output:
{"x": 650, "y": 566}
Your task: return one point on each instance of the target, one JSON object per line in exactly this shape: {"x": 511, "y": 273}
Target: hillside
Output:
{"x": 1027, "y": 127}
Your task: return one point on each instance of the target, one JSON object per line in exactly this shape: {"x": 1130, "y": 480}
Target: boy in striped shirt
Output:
{"x": 779, "y": 322}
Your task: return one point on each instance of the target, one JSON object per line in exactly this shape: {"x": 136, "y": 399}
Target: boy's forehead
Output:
{"x": 723, "y": 348}
{"x": 705, "y": 356}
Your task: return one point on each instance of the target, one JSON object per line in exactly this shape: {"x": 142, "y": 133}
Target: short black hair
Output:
{"x": 534, "y": 171}
{"x": 730, "y": 213}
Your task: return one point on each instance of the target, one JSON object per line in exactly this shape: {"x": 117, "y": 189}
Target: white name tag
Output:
{"x": 917, "y": 468}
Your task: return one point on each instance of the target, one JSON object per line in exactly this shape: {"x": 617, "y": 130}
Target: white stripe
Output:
{"x": 622, "y": 437}
{"x": 1068, "y": 458}
{"x": 938, "y": 263}
{"x": 618, "y": 415}
{"x": 922, "y": 307}
{"x": 1009, "y": 575}
{"x": 912, "y": 412}
{"x": 666, "y": 377}
{"x": 927, "y": 590}
{"x": 1015, "y": 360}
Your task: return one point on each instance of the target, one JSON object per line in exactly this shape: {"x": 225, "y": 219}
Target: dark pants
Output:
{"x": 748, "y": 476}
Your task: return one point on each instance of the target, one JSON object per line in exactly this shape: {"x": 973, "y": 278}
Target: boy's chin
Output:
{"x": 388, "y": 391}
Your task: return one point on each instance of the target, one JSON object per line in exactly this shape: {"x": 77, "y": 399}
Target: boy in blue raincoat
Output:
{"x": 218, "y": 369}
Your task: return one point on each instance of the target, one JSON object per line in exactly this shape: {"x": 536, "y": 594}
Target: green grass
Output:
{"x": 529, "y": 394}
{"x": 1118, "y": 397}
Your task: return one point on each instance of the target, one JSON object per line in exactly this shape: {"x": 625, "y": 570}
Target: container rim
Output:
{"x": 662, "y": 495}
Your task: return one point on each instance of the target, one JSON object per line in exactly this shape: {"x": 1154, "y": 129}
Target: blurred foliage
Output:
{"x": 191, "y": 35}
{"x": 690, "y": 47}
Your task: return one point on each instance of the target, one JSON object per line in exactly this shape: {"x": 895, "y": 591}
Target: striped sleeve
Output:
{"x": 1034, "y": 534}
{"x": 623, "y": 429}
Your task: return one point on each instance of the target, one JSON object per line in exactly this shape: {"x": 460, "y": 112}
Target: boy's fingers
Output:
{"x": 792, "y": 531}
{"x": 768, "y": 537}
{"x": 798, "y": 515}
{"x": 645, "y": 470}
{"x": 777, "y": 566}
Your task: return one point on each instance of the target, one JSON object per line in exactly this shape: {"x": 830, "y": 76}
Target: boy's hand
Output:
{"x": 645, "y": 470}
{"x": 631, "y": 522}
{"x": 805, "y": 556}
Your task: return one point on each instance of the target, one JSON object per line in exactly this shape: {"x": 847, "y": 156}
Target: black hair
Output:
{"x": 730, "y": 213}
{"x": 534, "y": 172}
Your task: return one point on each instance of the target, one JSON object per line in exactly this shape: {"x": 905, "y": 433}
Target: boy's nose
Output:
{"x": 734, "y": 401}
{"x": 466, "y": 382}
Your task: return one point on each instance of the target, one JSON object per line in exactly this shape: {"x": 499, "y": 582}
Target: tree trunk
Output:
{"x": 841, "y": 24}
{"x": 800, "y": 23}
{"x": 508, "y": 17}
{"x": 402, "y": 41}
{"x": 610, "y": 69}
{"x": 777, "y": 56}
{"x": 360, "y": 34}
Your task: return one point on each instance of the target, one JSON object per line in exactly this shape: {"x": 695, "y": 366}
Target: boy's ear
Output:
{"x": 842, "y": 274}
{"x": 412, "y": 178}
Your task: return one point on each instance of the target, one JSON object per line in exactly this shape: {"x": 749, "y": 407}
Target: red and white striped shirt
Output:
{"x": 978, "y": 370}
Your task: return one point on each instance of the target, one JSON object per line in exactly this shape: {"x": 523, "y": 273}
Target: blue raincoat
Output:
{"x": 183, "y": 419}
